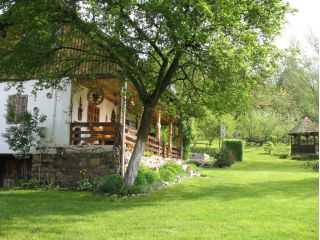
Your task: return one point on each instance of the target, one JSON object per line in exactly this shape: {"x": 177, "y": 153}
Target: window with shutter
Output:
{"x": 93, "y": 113}
{"x": 16, "y": 107}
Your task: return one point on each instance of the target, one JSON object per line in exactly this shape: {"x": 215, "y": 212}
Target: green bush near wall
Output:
{"x": 235, "y": 146}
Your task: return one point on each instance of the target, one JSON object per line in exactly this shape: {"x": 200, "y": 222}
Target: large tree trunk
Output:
{"x": 142, "y": 135}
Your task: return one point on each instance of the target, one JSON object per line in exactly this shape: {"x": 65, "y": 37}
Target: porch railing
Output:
{"x": 101, "y": 133}
{"x": 98, "y": 133}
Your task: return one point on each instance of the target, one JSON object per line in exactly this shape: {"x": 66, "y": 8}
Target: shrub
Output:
{"x": 147, "y": 153}
{"x": 195, "y": 162}
{"x": 193, "y": 167}
{"x": 111, "y": 184}
{"x": 29, "y": 184}
{"x": 283, "y": 156}
{"x": 313, "y": 166}
{"x": 166, "y": 174}
{"x": 224, "y": 159}
{"x": 209, "y": 162}
{"x": 86, "y": 184}
{"x": 170, "y": 170}
{"x": 176, "y": 168}
{"x": 235, "y": 146}
{"x": 147, "y": 176}
{"x": 128, "y": 190}
{"x": 268, "y": 147}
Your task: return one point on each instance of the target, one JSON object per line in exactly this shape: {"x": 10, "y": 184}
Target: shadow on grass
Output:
{"x": 33, "y": 204}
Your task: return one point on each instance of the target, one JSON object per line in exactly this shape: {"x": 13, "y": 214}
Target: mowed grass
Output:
{"x": 263, "y": 197}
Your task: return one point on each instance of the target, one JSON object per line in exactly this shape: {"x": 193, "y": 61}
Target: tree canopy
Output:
{"x": 212, "y": 52}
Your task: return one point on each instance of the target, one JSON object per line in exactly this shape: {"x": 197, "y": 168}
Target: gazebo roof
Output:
{"x": 305, "y": 126}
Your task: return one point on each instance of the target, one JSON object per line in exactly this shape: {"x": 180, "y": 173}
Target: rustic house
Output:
{"x": 83, "y": 132}
{"x": 304, "y": 137}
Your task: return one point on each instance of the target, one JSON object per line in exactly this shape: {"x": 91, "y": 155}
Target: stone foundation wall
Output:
{"x": 65, "y": 166}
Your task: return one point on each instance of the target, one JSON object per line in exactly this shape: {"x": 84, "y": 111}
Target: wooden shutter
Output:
{"x": 17, "y": 105}
{"x": 93, "y": 113}
{"x": 22, "y": 104}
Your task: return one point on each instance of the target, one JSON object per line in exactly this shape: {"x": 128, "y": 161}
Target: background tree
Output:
{"x": 217, "y": 49}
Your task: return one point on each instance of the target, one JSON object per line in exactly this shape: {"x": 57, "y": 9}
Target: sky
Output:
{"x": 300, "y": 24}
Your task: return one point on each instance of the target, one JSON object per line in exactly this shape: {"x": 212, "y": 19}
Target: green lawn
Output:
{"x": 263, "y": 197}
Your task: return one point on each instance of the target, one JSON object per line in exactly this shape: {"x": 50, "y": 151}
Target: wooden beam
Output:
{"x": 159, "y": 125}
{"x": 159, "y": 131}
{"x": 170, "y": 139}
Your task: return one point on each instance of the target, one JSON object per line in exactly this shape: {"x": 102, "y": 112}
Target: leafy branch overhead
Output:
{"x": 201, "y": 46}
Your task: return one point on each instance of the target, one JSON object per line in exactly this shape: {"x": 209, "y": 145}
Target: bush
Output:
{"x": 283, "y": 156}
{"x": 208, "y": 163}
{"x": 235, "y": 146}
{"x": 29, "y": 184}
{"x": 224, "y": 159}
{"x": 193, "y": 167}
{"x": 111, "y": 184}
{"x": 176, "y": 168}
{"x": 147, "y": 153}
{"x": 86, "y": 184}
{"x": 268, "y": 147}
{"x": 166, "y": 174}
{"x": 170, "y": 170}
{"x": 147, "y": 176}
{"x": 196, "y": 162}
{"x": 313, "y": 166}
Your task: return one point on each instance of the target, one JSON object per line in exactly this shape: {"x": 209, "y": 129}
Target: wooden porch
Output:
{"x": 108, "y": 133}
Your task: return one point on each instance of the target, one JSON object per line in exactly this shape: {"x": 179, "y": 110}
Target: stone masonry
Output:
{"x": 66, "y": 166}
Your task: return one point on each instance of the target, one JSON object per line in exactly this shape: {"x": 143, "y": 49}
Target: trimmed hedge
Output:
{"x": 235, "y": 146}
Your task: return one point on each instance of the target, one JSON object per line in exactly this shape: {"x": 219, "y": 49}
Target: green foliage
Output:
{"x": 166, "y": 174}
{"x": 171, "y": 170}
{"x": 21, "y": 137}
{"x": 147, "y": 153}
{"x": 235, "y": 146}
{"x": 268, "y": 147}
{"x": 209, "y": 162}
{"x": 312, "y": 166}
{"x": 147, "y": 176}
{"x": 225, "y": 158}
{"x": 187, "y": 136}
{"x": 28, "y": 184}
{"x": 208, "y": 127}
{"x": 196, "y": 162}
{"x": 112, "y": 184}
{"x": 86, "y": 184}
{"x": 300, "y": 79}
{"x": 176, "y": 168}
{"x": 210, "y": 151}
{"x": 193, "y": 167}
{"x": 259, "y": 126}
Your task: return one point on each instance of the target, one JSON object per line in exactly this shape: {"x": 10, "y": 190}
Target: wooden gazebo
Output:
{"x": 304, "y": 137}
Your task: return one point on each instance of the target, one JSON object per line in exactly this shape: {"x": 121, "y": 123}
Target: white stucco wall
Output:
{"x": 106, "y": 107}
{"x": 57, "y": 125}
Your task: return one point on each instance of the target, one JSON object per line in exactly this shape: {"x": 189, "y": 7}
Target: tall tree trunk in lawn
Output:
{"x": 142, "y": 135}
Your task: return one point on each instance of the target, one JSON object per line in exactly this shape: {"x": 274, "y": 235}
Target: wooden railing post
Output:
{"x": 170, "y": 139}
